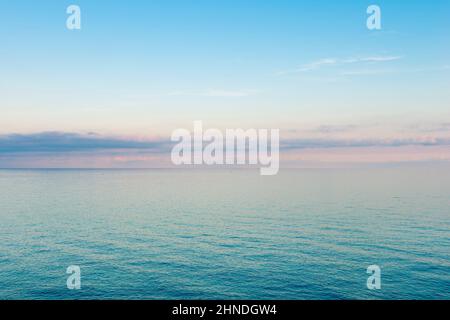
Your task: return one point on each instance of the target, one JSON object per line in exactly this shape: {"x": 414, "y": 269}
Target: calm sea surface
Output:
{"x": 204, "y": 234}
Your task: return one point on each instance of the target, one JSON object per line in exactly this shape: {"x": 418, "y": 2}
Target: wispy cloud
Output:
{"x": 325, "y": 129}
{"x": 317, "y": 64}
{"x": 370, "y": 72}
{"x": 292, "y": 144}
{"x": 216, "y": 93}
{"x": 443, "y": 127}
{"x": 374, "y": 59}
{"x": 328, "y": 62}
{"x": 366, "y": 72}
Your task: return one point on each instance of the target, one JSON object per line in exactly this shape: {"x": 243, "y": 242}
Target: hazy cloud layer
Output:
{"x": 60, "y": 142}
{"x": 57, "y": 142}
{"x": 72, "y": 150}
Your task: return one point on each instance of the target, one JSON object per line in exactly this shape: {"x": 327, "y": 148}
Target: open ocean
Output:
{"x": 226, "y": 234}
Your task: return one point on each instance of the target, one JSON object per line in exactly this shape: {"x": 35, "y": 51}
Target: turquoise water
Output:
{"x": 204, "y": 234}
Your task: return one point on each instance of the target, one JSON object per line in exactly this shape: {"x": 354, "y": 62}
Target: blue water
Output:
{"x": 230, "y": 234}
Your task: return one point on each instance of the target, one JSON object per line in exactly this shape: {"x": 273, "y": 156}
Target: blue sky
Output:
{"x": 143, "y": 68}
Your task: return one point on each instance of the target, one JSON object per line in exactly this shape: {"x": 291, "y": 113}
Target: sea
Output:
{"x": 226, "y": 234}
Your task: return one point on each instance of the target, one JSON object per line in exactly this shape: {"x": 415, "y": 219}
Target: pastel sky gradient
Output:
{"x": 110, "y": 94}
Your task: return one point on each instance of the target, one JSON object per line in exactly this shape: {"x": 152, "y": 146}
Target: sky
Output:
{"x": 111, "y": 94}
